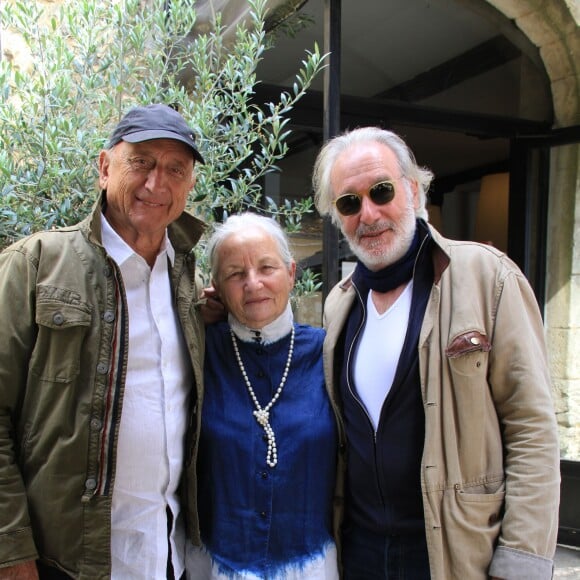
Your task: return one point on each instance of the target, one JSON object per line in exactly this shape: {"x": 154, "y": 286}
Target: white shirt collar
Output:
{"x": 120, "y": 250}
{"x": 272, "y": 332}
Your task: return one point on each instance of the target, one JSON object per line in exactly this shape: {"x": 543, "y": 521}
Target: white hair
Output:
{"x": 323, "y": 194}
{"x": 241, "y": 223}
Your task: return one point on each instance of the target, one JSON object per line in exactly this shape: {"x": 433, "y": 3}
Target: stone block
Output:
{"x": 565, "y": 92}
{"x": 557, "y": 341}
{"x": 557, "y": 13}
{"x": 560, "y": 398}
{"x": 559, "y": 60}
{"x": 567, "y": 405}
{"x": 514, "y": 8}
{"x": 537, "y": 28}
{"x": 308, "y": 309}
{"x": 573, "y": 366}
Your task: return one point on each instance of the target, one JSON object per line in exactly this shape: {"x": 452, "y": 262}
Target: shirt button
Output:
{"x": 259, "y": 350}
{"x": 474, "y": 340}
{"x": 58, "y": 318}
{"x": 263, "y": 515}
{"x": 91, "y": 484}
{"x": 264, "y": 475}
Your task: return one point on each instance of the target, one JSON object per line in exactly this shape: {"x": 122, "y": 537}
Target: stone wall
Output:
{"x": 554, "y": 28}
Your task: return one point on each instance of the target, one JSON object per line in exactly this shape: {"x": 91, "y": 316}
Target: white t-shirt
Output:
{"x": 379, "y": 350}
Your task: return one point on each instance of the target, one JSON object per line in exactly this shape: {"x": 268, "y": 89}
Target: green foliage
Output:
{"x": 96, "y": 59}
{"x": 308, "y": 283}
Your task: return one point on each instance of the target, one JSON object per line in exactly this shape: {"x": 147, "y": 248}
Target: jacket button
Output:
{"x": 102, "y": 368}
{"x": 96, "y": 424}
{"x": 91, "y": 483}
{"x": 107, "y": 271}
{"x": 109, "y": 316}
{"x": 58, "y": 319}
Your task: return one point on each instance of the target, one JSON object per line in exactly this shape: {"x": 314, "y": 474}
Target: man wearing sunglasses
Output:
{"x": 435, "y": 349}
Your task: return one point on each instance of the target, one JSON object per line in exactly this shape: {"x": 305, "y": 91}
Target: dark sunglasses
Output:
{"x": 351, "y": 203}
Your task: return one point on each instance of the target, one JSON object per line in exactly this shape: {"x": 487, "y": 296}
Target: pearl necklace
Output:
{"x": 263, "y": 414}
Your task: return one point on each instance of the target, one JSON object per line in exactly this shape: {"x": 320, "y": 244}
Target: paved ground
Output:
{"x": 567, "y": 563}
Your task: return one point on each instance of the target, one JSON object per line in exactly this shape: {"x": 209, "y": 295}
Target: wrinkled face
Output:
{"x": 252, "y": 280}
{"x": 147, "y": 186}
{"x": 378, "y": 234}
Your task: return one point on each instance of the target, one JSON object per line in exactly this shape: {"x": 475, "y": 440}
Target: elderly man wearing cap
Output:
{"x": 100, "y": 358}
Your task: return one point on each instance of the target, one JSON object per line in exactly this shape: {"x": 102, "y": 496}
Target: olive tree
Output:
{"x": 94, "y": 59}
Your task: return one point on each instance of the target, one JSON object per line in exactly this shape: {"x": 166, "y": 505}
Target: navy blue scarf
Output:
{"x": 392, "y": 276}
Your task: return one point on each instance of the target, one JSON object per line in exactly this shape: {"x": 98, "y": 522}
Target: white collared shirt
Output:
{"x": 153, "y": 420}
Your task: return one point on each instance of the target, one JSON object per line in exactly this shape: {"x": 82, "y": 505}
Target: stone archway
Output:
{"x": 554, "y": 28}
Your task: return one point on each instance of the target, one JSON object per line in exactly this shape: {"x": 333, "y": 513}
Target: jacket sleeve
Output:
{"x": 521, "y": 389}
{"x": 17, "y": 334}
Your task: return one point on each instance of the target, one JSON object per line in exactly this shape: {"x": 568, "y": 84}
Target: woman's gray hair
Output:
{"x": 323, "y": 194}
{"x": 236, "y": 224}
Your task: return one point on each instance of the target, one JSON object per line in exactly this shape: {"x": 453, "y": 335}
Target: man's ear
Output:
{"x": 415, "y": 193}
{"x": 104, "y": 162}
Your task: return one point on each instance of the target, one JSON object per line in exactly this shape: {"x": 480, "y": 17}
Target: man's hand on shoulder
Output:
{"x": 24, "y": 571}
{"x": 213, "y": 310}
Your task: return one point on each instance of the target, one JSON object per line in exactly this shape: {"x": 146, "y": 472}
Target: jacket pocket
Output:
{"x": 58, "y": 348}
{"x": 471, "y": 517}
{"x": 468, "y": 353}
{"x": 481, "y": 505}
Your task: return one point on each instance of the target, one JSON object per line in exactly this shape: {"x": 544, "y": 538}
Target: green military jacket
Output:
{"x": 63, "y": 359}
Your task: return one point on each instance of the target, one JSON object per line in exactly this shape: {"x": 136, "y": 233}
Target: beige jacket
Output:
{"x": 490, "y": 467}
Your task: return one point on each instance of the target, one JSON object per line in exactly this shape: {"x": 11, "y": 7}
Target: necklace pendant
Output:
{"x": 262, "y": 416}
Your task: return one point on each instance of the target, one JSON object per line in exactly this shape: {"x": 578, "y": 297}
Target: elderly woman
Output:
{"x": 268, "y": 444}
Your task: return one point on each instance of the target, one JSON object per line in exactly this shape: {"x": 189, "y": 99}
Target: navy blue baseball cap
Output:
{"x": 154, "y": 122}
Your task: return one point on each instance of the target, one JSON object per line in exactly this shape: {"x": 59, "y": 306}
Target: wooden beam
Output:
{"x": 358, "y": 111}
{"x": 482, "y": 58}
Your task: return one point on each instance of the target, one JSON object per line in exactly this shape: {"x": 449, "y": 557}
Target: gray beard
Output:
{"x": 381, "y": 257}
